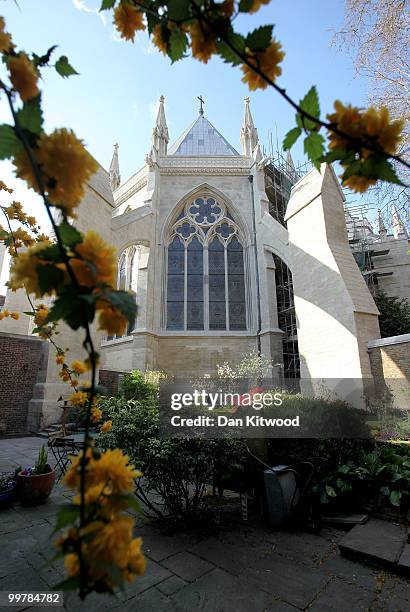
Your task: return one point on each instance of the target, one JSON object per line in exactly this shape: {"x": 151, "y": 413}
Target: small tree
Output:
{"x": 394, "y": 315}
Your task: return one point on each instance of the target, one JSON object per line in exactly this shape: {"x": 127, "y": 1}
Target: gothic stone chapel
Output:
{"x": 225, "y": 252}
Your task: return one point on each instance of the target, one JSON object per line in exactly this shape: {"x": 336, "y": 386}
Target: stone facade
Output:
{"x": 336, "y": 316}
{"x": 390, "y": 362}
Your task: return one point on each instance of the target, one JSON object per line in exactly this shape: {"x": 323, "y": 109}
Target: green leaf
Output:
{"x": 291, "y": 137}
{"x": 30, "y": 117}
{"x": 43, "y": 60}
{"x": 178, "y": 43}
{"x": 314, "y": 148}
{"x": 107, "y": 4}
{"x": 66, "y": 515}
{"x": 310, "y": 103}
{"x": 259, "y": 39}
{"x": 3, "y": 235}
{"x": 395, "y": 498}
{"x": 385, "y": 491}
{"x": 64, "y": 67}
{"x": 245, "y": 6}
{"x": 338, "y": 154}
{"x": 152, "y": 21}
{"x": 69, "y": 235}
{"x": 330, "y": 491}
{"x": 70, "y": 584}
{"x": 178, "y": 9}
{"x": 51, "y": 253}
{"x": 63, "y": 308}
{"x": 49, "y": 278}
{"x": 10, "y": 145}
{"x": 386, "y": 172}
{"x": 226, "y": 53}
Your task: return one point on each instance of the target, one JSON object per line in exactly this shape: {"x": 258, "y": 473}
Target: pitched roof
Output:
{"x": 201, "y": 138}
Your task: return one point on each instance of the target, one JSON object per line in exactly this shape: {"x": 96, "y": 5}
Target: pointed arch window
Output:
{"x": 205, "y": 270}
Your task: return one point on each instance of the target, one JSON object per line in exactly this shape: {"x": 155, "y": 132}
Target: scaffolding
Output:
{"x": 287, "y": 318}
{"x": 280, "y": 176}
{"x": 365, "y": 244}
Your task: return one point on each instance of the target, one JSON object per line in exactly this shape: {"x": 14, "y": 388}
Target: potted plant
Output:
{"x": 8, "y": 483}
{"x": 36, "y": 483}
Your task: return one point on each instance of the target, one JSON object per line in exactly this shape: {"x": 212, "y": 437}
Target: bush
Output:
{"x": 134, "y": 386}
{"x": 394, "y": 317}
{"x": 176, "y": 471}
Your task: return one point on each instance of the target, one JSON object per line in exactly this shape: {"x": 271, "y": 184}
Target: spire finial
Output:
{"x": 201, "y": 105}
{"x": 382, "y": 227}
{"x": 249, "y": 134}
{"x": 399, "y": 229}
{"x": 115, "y": 177}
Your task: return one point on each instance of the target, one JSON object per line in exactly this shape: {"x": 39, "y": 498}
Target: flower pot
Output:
{"x": 34, "y": 489}
{"x": 8, "y": 496}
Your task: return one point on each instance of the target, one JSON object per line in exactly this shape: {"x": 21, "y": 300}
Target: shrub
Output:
{"x": 175, "y": 471}
{"x": 134, "y": 386}
{"x": 394, "y": 317}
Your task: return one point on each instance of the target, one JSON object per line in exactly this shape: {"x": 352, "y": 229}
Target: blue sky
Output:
{"x": 115, "y": 96}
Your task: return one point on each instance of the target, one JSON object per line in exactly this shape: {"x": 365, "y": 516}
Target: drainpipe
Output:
{"x": 255, "y": 250}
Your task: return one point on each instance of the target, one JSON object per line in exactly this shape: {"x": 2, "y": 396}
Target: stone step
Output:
{"x": 379, "y": 543}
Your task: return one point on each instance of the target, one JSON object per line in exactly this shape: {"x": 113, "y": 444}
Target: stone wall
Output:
{"x": 23, "y": 360}
{"x": 110, "y": 380}
{"x": 390, "y": 362}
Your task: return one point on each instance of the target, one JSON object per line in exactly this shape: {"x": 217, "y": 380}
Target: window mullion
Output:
{"x": 185, "y": 288}
{"x": 226, "y": 287}
{"x": 206, "y": 288}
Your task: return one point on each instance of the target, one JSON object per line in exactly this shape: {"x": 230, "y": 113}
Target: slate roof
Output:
{"x": 201, "y": 138}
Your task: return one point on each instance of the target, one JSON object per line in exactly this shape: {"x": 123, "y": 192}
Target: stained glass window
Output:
{"x": 205, "y": 272}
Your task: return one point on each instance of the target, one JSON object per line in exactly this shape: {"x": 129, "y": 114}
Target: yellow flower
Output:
{"x": 98, "y": 264}
{"x": 268, "y": 62}
{"x": 112, "y": 542}
{"x": 23, "y": 76}
{"x": 372, "y": 125}
{"x": 112, "y": 467}
{"x": 21, "y": 237}
{"x": 257, "y": 4}
{"x": 136, "y": 560}
{"x": 15, "y": 315}
{"x": 23, "y": 271}
{"x": 31, "y": 221}
{"x": 203, "y": 41}
{"x": 360, "y": 184}
{"x": 64, "y": 375}
{"x": 78, "y": 398}
{"x": 60, "y": 359}
{"x": 160, "y": 38}
{"x": 78, "y": 367}
{"x": 3, "y": 187}
{"x": 105, "y": 427}
{"x": 128, "y": 20}
{"x": 40, "y": 317}
{"x": 5, "y": 38}
{"x": 66, "y": 166}
{"x": 72, "y": 564}
{"x": 112, "y": 321}
{"x": 96, "y": 414}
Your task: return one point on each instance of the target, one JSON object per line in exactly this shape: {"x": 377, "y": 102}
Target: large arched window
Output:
{"x": 205, "y": 269}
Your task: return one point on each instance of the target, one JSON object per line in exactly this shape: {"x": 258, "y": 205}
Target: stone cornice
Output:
{"x": 205, "y": 165}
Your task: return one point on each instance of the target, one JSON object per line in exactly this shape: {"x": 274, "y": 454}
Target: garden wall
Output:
{"x": 110, "y": 380}
{"x": 22, "y": 360}
{"x": 390, "y": 362}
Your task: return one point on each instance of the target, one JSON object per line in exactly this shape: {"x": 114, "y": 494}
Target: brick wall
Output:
{"x": 110, "y": 380}
{"x": 21, "y": 358}
{"x": 390, "y": 363}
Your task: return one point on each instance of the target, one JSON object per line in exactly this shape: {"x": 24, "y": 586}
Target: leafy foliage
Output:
{"x": 394, "y": 317}
{"x": 64, "y": 68}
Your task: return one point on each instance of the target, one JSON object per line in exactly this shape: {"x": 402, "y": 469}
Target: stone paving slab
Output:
{"x": 285, "y": 579}
{"x": 404, "y": 560}
{"x": 339, "y": 595}
{"x": 377, "y": 541}
{"x": 244, "y": 566}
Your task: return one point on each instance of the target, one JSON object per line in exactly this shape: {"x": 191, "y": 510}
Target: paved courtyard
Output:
{"x": 245, "y": 568}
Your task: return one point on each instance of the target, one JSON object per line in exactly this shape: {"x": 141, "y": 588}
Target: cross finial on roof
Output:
{"x": 201, "y": 105}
